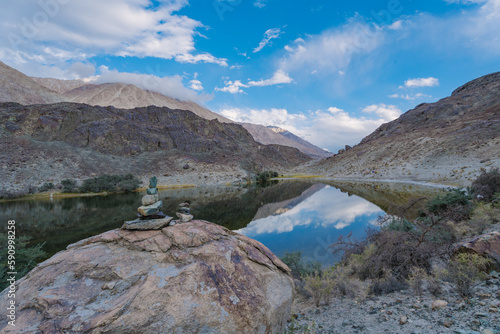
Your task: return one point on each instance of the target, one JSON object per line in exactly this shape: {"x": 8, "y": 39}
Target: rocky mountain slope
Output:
{"x": 307, "y": 147}
{"x": 48, "y": 143}
{"x": 448, "y": 141}
{"x": 128, "y": 96}
{"x": 271, "y": 135}
{"x": 57, "y": 85}
{"x": 17, "y": 87}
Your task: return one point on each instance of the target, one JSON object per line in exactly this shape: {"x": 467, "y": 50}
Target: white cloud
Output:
{"x": 332, "y": 50}
{"x": 409, "y": 97}
{"x": 77, "y": 30}
{"x": 335, "y": 110}
{"x": 268, "y": 36}
{"x": 421, "y": 82}
{"x": 385, "y": 112}
{"x": 169, "y": 86}
{"x": 273, "y": 116}
{"x": 260, "y": 3}
{"x": 234, "y": 87}
{"x": 279, "y": 77}
{"x": 337, "y": 210}
{"x": 332, "y": 128}
{"x": 196, "y": 85}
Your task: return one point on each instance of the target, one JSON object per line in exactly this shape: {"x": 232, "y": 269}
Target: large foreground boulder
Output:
{"x": 486, "y": 245}
{"x": 195, "y": 277}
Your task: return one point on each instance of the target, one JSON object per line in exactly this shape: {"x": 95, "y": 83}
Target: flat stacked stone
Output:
{"x": 150, "y": 216}
{"x": 183, "y": 213}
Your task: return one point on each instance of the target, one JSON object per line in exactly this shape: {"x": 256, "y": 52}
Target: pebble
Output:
{"x": 438, "y": 304}
{"x": 447, "y": 323}
{"x": 403, "y": 320}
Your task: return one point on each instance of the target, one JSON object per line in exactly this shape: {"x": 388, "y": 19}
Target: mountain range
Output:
{"x": 450, "y": 141}
{"x": 127, "y": 96}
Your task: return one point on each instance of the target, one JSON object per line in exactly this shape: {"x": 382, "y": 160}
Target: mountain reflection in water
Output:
{"x": 288, "y": 216}
{"x": 312, "y": 224}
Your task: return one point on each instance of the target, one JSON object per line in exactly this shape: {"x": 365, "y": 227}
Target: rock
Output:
{"x": 184, "y": 217}
{"x": 150, "y": 199}
{"x": 487, "y": 331}
{"x": 480, "y": 315}
{"x": 153, "y": 182}
{"x": 438, "y": 304}
{"x": 195, "y": 277}
{"x": 147, "y": 224}
{"x": 152, "y": 191}
{"x": 184, "y": 210}
{"x": 486, "y": 244}
{"x": 186, "y": 166}
{"x": 447, "y": 323}
{"x": 348, "y": 147}
{"x": 403, "y": 320}
{"x": 184, "y": 205}
{"x": 150, "y": 209}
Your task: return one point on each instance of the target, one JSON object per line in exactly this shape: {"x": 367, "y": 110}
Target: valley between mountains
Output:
{"x": 57, "y": 129}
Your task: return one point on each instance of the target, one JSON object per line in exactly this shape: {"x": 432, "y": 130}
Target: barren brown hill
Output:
{"x": 274, "y": 135}
{"x": 449, "y": 141}
{"x": 126, "y": 96}
{"x": 49, "y": 143}
{"x": 59, "y": 86}
{"x": 17, "y": 87}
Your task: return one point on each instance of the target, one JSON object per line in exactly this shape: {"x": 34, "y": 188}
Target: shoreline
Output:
{"x": 316, "y": 178}
{"x": 325, "y": 178}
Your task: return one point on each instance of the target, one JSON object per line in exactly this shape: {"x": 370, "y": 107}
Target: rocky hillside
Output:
{"x": 48, "y": 143}
{"x": 275, "y": 135}
{"x": 17, "y": 87}
{"x": 126, "y": 96}
{"x": 57, "y": 85}
{"x": 307, "y": 147}
{"x": 446, "y": 142}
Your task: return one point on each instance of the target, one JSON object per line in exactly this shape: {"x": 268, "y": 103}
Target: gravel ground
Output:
{"x": 403, "y": 312}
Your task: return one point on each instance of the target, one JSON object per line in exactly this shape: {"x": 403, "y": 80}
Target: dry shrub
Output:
{"x": 487, "y": 185}
{"x": 386, "y": 284}
{"x": 465, "y": 270}
{"x": 434, "y": 286}
{"x": 484, "y": 215}
{"x": 314, "y": 286}
{"x": 416, "y": 280}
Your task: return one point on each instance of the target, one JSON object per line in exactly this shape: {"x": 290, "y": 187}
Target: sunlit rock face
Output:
{"x": 195, "y": 277}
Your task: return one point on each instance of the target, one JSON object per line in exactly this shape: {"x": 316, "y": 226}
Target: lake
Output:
{"x": 287, "y": 216}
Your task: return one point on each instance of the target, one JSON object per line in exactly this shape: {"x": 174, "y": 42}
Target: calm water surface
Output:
{"x": 288, "y": 216}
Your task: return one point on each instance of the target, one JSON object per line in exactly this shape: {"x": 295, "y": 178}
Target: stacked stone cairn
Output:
{"x": 150, "y": 216}
{"x": 183, "y": 213}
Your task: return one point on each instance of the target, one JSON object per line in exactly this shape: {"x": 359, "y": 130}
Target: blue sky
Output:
{"x": 329, "y": 71}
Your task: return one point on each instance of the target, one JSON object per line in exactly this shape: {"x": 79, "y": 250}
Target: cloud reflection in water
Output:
{"x": 314, "y": 223}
